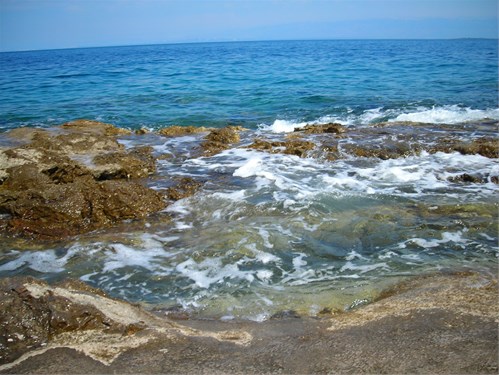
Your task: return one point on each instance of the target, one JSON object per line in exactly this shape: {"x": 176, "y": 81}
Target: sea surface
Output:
{"x": 271, "y": 232}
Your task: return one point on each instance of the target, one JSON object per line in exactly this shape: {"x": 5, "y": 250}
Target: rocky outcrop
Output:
{"x": 72, "y": 180}
{"x": 36, "y": 317}
{"x": 83, "y": 126}
{"x": 136, "y": 163}
{"x": 389, "y": 149}
{"x": 31, "y": 314}
{"x": 180, "y": 131}
{"x": 484, "y": 146}
{"x": 444, "y": 323}
{"x": 330, "y": 128}
{"x": 298, "y": 147}
{"x": 384, "y": 141}
{"x": 219, "y": 140}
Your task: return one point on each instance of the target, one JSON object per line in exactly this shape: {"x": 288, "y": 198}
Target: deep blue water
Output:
{"x": 247, "y": 83}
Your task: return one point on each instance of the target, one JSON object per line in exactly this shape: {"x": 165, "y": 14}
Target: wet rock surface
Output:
{"x": 331, "y": 128}
{"x": 180, "y": 131}
{"x": 184, "y": 187}
{"x": 219, "y": 140}
{"x": 296, "y": 147}
{"x": 381, "y": 141}
{"x": 395, "y": 140}
{"x": 76, "y": 178}
{"x": 29, "y": 319}
{"x": 443, "y": 323}
{"x": 73, "y": 179}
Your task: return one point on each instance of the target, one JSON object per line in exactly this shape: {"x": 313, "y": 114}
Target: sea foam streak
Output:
{"x": 451, "y": 114}
{"x": 448, "y": 115}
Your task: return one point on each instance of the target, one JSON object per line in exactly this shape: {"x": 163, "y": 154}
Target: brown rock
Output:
{"x": 37, "y": 207}
{"x": 58, "y": 185}
{"x": 444, "y": 323}
{"x": 185, "y": 187}
{"x": 83, "y": 126}
{"x": 136, "y": 163}
{"x": 384, "y": 152}
{"x": 23, "y": 135}
{"x": 488, "y": 147}
{"x": 465, "y": 177}
{"x": 180, "y": 131}
{"x": 219, "y": 140}
{"x": 331, "y": 128}
{"x": 31, "y": 314}
{"x": 296, "y": 147}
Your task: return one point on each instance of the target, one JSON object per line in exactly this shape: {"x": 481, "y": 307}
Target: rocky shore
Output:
{"x": 62, "y": 182}
{"x": 433, "y": 324}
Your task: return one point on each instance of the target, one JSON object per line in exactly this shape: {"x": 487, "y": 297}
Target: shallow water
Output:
{"x": 274, "y": 232}
{"x": 270, "y": 232}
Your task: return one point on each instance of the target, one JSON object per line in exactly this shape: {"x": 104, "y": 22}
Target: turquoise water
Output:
{"x": 270, "y": 232}
{"x": 252, "y": 83}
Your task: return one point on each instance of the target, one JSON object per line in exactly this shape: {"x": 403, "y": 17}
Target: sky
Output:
{"x": 51, "y": 24}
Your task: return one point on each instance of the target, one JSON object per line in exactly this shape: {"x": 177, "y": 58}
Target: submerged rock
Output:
{"x": 465, "y": 177}
{"x": 285, "y": 314}
{"x": 184, "y": 188}
{"x": 385, "y": 151}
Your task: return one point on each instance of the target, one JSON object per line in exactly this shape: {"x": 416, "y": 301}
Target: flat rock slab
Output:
{"x": 435, "y": 324}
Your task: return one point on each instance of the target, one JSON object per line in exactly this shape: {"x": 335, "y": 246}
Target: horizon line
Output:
{"x": 237, "y": 41}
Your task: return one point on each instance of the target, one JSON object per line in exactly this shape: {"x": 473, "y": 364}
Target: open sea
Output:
{"x": 270, "y": 232}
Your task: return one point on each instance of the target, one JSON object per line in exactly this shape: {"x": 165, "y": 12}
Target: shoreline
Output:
{"x": 439, "y": 322}
{"x": 170, "y": 187}
{"x": 422, "y": 325}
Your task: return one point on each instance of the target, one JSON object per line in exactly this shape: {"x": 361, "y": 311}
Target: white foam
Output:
{"x": 455, "y": 237}
{"x": 363, "y": 268}
{"x": 266, "y": 238}
{"x": 261, "y": 256}
{"x": 237, "y": 195}
{"x": 266, "y": 258}
{"x": 448, "y": 115}
{"x": 120, "y": 256}
{"x": 264, "y": 275}
{"x": 354, "y": 255}
{"x": 487, "y": 237}
{"x": 250, "y": 168}
{"x": 210, "y": 271}
{"x": 299, "y": 262}
{"x": 284, "y": 126}
{"x": 41, "y": 261}
{"x": 295, "y": 183}
{"x": 342, "y": 183}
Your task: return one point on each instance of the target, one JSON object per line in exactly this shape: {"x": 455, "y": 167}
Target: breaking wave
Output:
{"x": 452, "y": 114}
